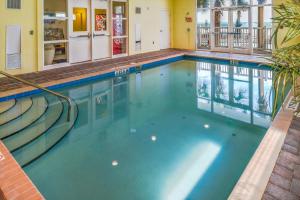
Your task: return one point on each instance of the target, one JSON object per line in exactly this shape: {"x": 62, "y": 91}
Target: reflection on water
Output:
{"x": 101, "y": 103}
{"x": 180, "y": 131}
{"x": 240, "y": 93}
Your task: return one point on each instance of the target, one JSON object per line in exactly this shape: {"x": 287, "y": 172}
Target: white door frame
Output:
{"x": 231, "y": 48}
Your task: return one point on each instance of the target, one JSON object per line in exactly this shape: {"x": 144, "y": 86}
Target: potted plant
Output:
{"x": 286, "y": 58}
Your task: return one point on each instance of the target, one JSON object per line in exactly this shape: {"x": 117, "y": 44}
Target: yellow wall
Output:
{"x": 283, "y": 31}
{"x": 184, "y": 33}
{"x": 149, "y": 20}
{"x": 26, "y": 17}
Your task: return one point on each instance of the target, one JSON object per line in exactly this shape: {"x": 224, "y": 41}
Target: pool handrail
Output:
{"x": 67, "y": 99}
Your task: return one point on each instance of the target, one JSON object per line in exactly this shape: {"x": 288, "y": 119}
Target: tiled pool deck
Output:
{"x": 14, "y": 183}
{"x": 284, "y": 182}
{"x": 285, "y": 179}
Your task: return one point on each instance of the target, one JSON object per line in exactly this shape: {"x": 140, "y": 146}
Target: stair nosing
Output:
{"x": 35, "y": 138}
{"x": 14, "y": 133}
{"x": 3, "y": 112}
{"x": 20, "y": 114}
{"x": 67, "y": 132}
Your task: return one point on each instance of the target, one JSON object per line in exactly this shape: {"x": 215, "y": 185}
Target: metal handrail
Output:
{"x": 67, "y": 99}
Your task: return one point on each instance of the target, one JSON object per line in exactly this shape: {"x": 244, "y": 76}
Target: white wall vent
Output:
{"x": 14, "y": 4}
{"x": 13, "y": 47}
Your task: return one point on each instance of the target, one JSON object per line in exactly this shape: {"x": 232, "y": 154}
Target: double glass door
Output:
{"x": 231, "y": 30}
{"x": 89, "y": 35}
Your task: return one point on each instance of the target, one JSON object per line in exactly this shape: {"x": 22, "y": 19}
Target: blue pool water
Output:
{"x": 184, "y": 130}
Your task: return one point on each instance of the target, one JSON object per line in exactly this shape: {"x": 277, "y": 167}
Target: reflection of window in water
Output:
{"x": 120, "y": 96}
{"x": 83, "y": 118}
{"x": 240, "y": 93}
{"x": 262, "y": 97}
{"x": 204, "y": 80}
{"x": 221, "y": 87}
{"x": 101, "y": 106}
{"x": 241, "y": 85}
{"x": 203, "y": 90}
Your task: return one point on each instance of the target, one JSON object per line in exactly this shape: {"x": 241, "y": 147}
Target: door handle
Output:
{"x": 96, "y": 35}
{"x": 80, "y": 36}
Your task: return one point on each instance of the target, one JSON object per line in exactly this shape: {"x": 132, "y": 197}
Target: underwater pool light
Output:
{"x": 153, "y": 138}
{"x": 115, "y": 163}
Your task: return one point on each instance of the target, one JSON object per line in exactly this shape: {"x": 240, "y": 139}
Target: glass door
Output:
{"x": 241, "y": 30}
{"x": 119, "y": 28}
{"x": 231, "y": 30}
{"x": 80, "y": 31}
{"x": 101, "y": 31}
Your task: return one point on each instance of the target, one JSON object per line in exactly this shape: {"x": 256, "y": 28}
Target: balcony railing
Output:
{"x": 261, "y": 38}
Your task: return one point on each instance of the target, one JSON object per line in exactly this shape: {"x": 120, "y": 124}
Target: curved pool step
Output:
{"x": 35, "y": 130}
{"x": 21, "y": 107}
{"x": 7, "y": 105}
{"x": 38, "y": 108}
{"x": 41, "y": 145}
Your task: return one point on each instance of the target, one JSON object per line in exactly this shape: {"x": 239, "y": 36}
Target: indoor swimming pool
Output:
{"x": 182, "y": 130}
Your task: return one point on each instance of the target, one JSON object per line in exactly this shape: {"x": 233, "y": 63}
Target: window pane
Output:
{"x": 55, "y": 30}
{"x": 55, "y": 53}
{"x": 261, "y": 2}
{"x": 224, "y": 3}
{"x": 203, "y": 3}
{"x": 55, "y": 8}
{"x": 119, "y": 46}
{"x": 119, "y": 9}
{"x": 100, "y": 19}
{"x": 119, "y": 27}
{"x": 242, "y": 2}
{"x": 268, "y": 16}
{"x": 79, "y": 19}
{"x": 240, "y": 18}
{"x": 203, "y": 28}
{"x": 203, "y": 17}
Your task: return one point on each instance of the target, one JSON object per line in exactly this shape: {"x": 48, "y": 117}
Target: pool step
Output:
{"x": 36, "y": 129}
{"x": 38, "y": 108}
{"x": 21, "y": 107}
{"x": 38, "y": 147}
{"x": 7, "y": 105}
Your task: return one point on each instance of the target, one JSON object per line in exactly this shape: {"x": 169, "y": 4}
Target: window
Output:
{"x": 14, "y": 4}
{"x": 100, "y": 20}
{"x": 55, "y": 32}
{"x": 79, "y": 19}
{"x": 120, "y": 29}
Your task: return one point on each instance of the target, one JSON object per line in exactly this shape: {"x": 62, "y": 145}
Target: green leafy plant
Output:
{"x": 286, "y": 58}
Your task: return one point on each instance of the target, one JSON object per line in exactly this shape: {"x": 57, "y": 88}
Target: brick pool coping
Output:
{"x": 284, "y": 182}
{"x": 255, "y": 178}
{"x": 252, "y": 184}
{"x": 14, "y": 183}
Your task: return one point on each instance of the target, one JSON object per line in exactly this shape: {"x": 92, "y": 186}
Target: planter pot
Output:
{"x": 49, "y": 54}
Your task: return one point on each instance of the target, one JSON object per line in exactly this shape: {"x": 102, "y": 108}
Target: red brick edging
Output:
{"x": 14, "y": 183}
